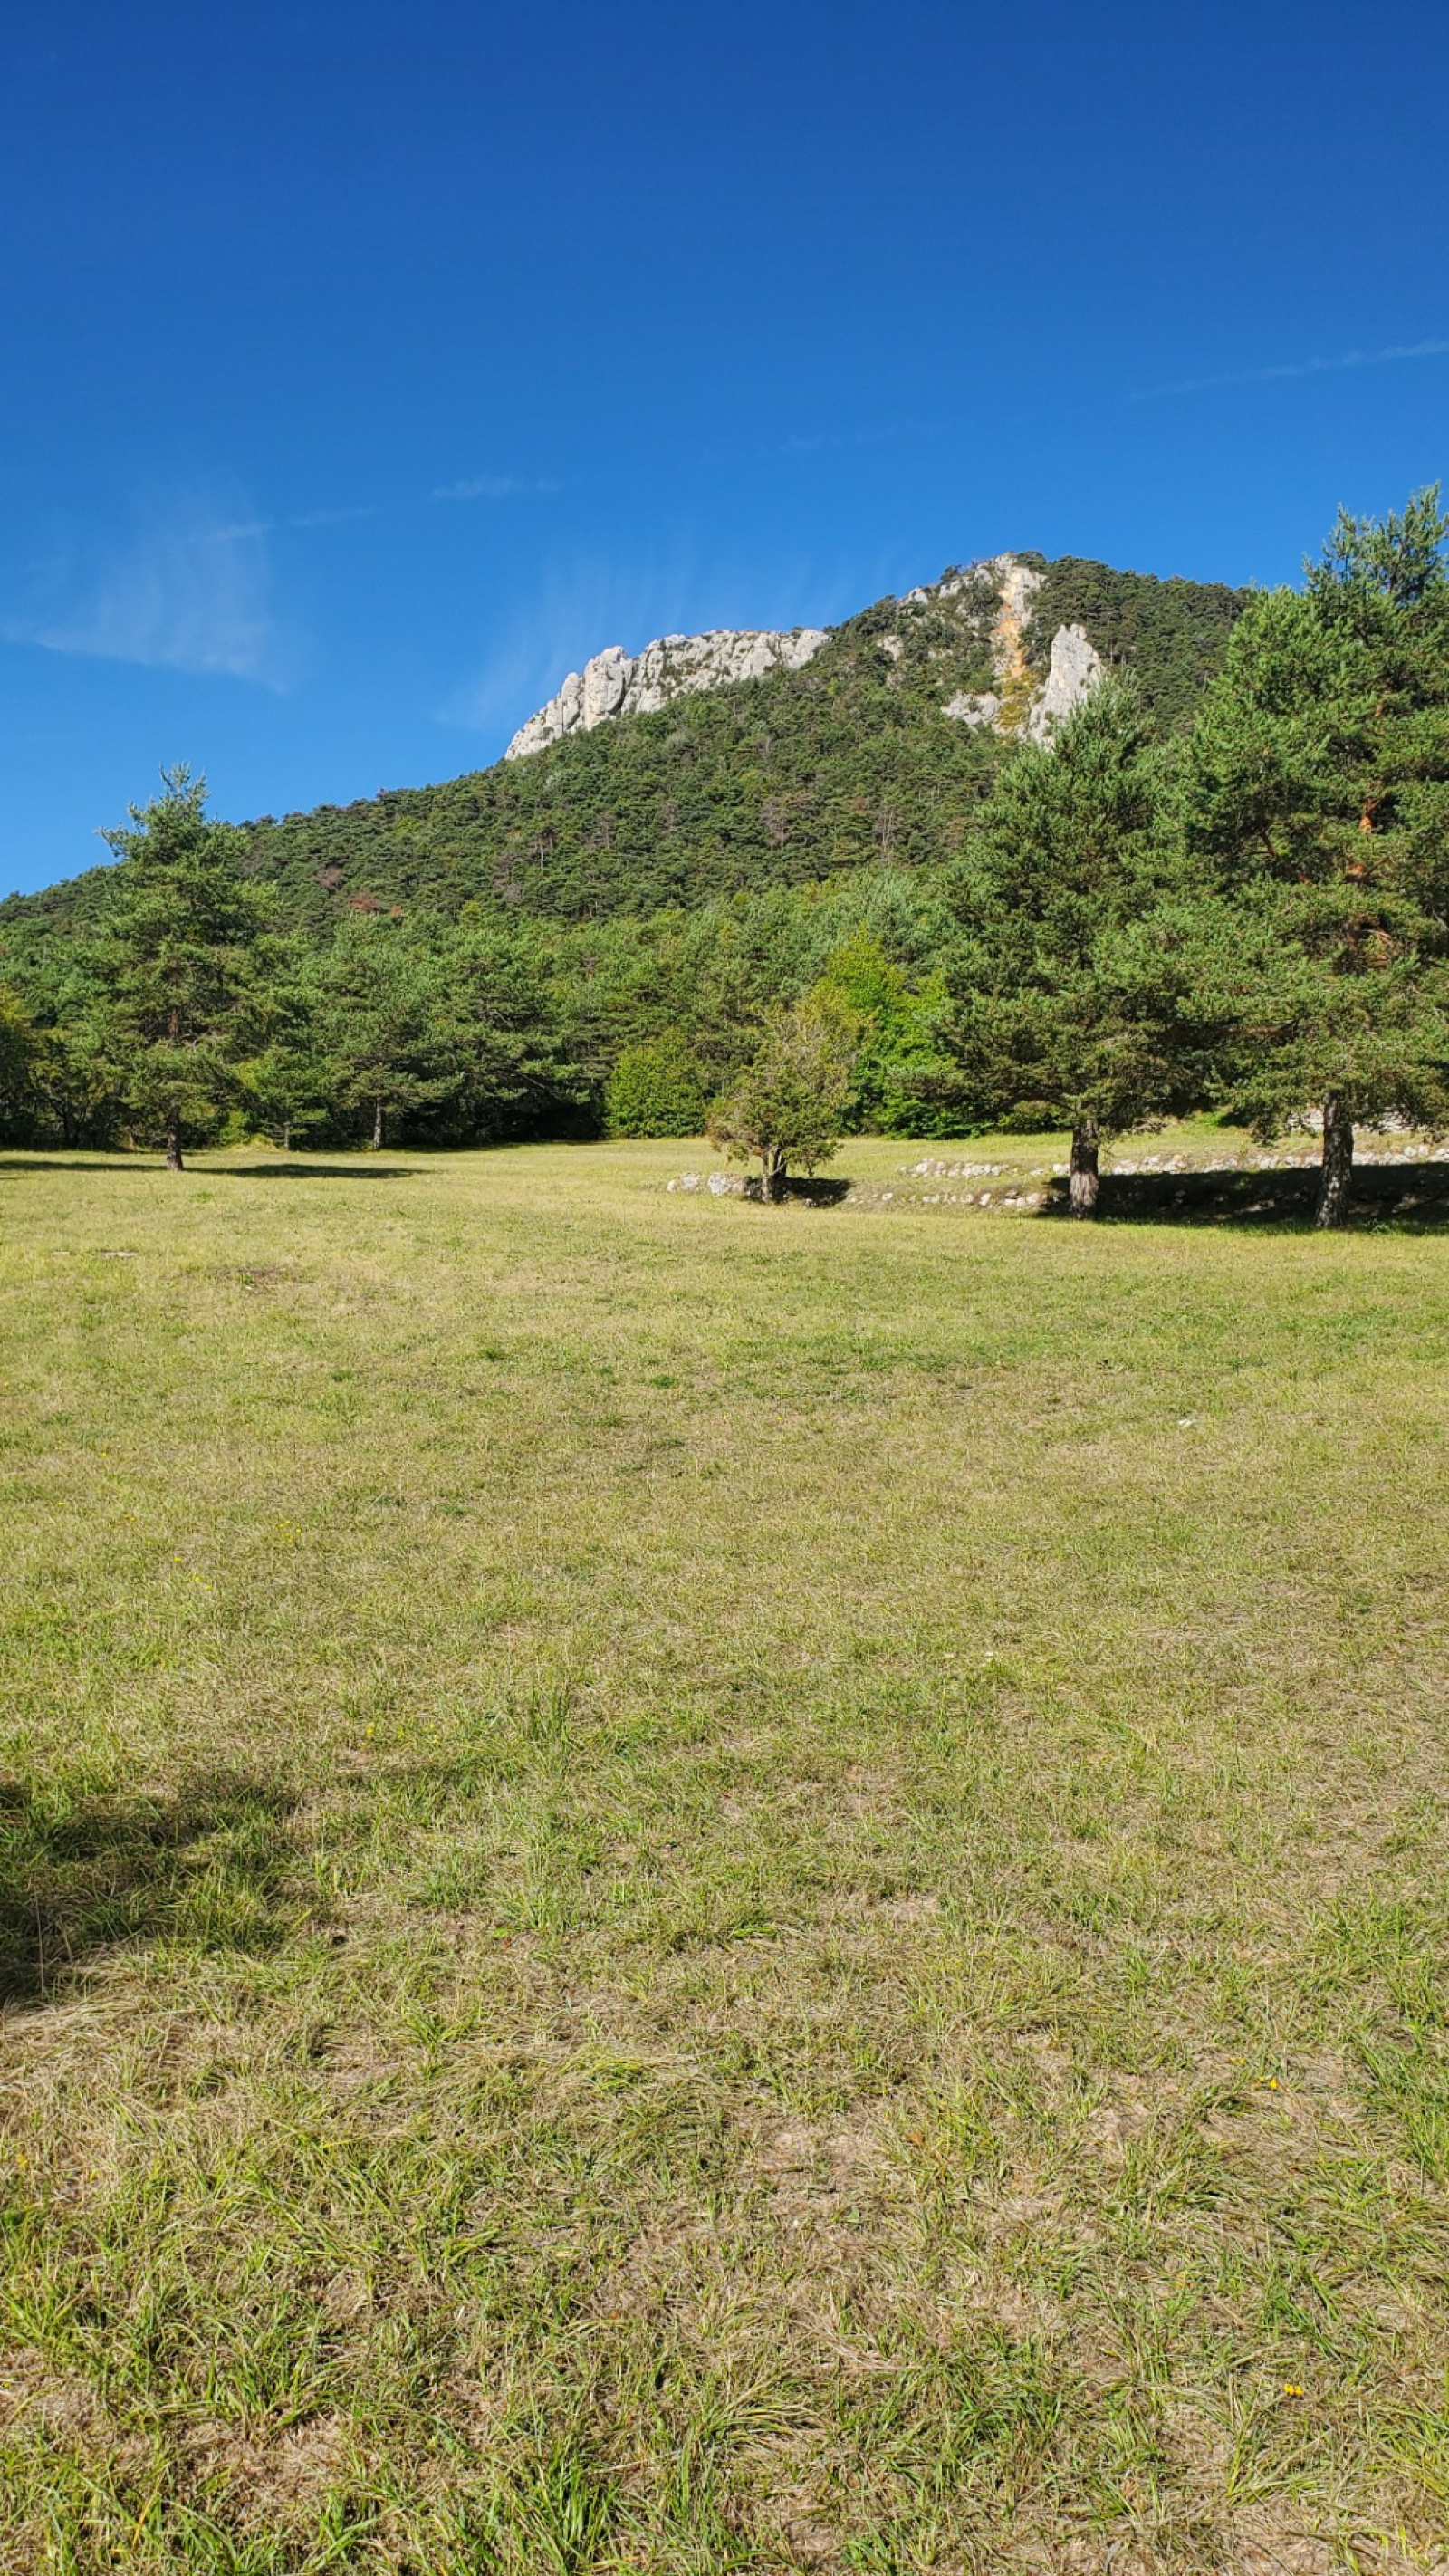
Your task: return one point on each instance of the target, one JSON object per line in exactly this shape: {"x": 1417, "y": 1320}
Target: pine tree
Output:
{"x": 382, "y": 1020}
{"x": 1062, "y": 1013}
{"x": 1318, "y": 791}
{"x": 175, "y": 961}
{"x": 288, "y": 1081}
{"x": 499, "y": 1031}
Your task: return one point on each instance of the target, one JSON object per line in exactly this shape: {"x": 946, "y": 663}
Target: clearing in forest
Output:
{"x": 691, "y": 1887}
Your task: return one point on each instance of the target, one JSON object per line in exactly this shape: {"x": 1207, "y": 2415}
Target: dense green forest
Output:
{"x": 1225, "y": 878}
{"x": 785, "y": 780}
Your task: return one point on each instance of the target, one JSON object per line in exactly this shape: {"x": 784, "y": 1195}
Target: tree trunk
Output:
{"x": 772, "y": 1184}
{"x": 173, "y": 1141}
{"x": 286, "y": 1135}
{"x": 377, "y": 1125}
{"x": 1085, "y": 1180}
{"x": 1336, "y": 1179}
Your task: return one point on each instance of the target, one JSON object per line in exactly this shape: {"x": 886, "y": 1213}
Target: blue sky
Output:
{"x": 369, "y": 366}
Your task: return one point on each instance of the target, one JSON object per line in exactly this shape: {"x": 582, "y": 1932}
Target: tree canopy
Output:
{"x": 1061, "y": 1012}
{"x": 177, "y": 962}
{"x": 1318, "y": 795}
{"x": 787, "y": 1108}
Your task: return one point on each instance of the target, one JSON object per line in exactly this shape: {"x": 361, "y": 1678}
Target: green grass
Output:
{"x": 692, "y": 1887}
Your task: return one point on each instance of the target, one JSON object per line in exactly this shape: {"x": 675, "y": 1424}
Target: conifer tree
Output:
{"x": 1063, "y": 1014}
{"x": 511, "y": 1063}
{"x": 289, "y": 1085}
{"x": 175, "y": 963}
{"x": 382, "y": 1020}
{"x": 1318, "y": 792}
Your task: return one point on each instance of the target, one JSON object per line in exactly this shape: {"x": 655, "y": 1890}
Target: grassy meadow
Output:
{"x": 688, "y": 1887}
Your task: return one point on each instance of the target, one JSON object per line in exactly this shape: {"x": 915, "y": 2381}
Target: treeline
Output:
{"x": 1252, "y": 914}
{"x": 404, "y": 1024}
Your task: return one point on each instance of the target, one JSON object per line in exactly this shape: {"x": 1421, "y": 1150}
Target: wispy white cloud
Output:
{"x": 227, "y": 535}
{"x": 581, "y": 607}
{"x": 188, "y": 590}
{"x": 575, "y": 612}
{"x": 488, "y": 487}
{"x": 1346, "y": 359}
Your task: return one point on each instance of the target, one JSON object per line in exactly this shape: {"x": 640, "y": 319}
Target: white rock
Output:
{"x": 1072, "y": 674}
{"x": 982, "y": 710}
{"x": 673, "y": 666}
{"x": 605, "y": 680}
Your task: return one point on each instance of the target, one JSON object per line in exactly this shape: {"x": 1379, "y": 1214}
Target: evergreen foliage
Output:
{"x": 1172, "y": 635}
{"x": 818, "y": 901}
{"x": 176, "y": 965}
{"x": 1065, "y": 1013}
{"x": 1318, "y": 792}
{"x": 785, "y": 780}
{"x": 381, "y": 1025}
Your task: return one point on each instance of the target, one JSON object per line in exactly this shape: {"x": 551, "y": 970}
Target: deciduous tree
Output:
{"x": 787, "y": 1108}
{"x": 18, "y": 1049}
{"x": 655, "y": 1089}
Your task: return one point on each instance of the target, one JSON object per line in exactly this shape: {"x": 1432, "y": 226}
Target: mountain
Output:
{"x": 1004, "y": 588}
{"x": 709, "y": 765}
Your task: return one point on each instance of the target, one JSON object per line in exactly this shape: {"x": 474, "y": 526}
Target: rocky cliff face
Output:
{"x": 614, "y": 684}
{"x": 1022, "y": 701}
{"x": 1018, "y": 704}
{"x": 1073, "y": 672}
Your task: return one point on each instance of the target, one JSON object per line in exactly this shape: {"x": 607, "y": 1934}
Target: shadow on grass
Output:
{"x": 1412, "y": 1197}
{"x": 205, "y": 1866}
{"x": 307, "y": 1171}
{"x": 810, "y": 1193}
{"x": 42, "y": 1162}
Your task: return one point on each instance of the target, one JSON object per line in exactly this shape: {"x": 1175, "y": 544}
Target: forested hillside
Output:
{"x": 777, "y": 781}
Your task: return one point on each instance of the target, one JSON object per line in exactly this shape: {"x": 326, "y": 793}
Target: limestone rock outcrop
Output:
{"x": 1072, "y": 674}
{"x": 1016, "y": 705}
{"x": 615, "y": 683}
{"x": 1020, "y": 702}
